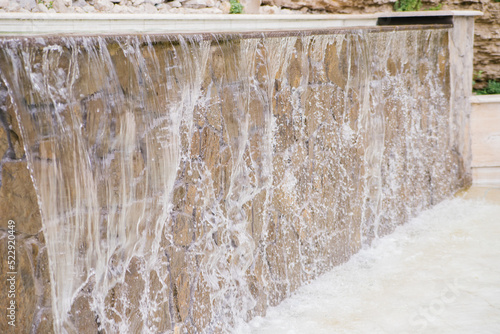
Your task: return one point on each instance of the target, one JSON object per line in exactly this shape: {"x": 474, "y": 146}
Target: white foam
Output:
{"x": 440, "y": 273}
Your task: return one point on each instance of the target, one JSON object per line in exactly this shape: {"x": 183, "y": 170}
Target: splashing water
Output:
{"x": 437, "y": 274}
{"x": 189, "y": 182}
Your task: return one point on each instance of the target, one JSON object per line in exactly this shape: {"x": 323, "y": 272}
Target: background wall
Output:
{"x": 486, "y": 31}
{"x": 487, "y": 27}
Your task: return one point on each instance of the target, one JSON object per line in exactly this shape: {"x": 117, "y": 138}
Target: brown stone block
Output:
{"x": 257, "y": 109}
{"x": 258, "y": 294}
{"x": 183, "y": 231}
{"x": 278, "y": 269}
{"x": 318, "y": 106}
{"x": 82, "y": 316}
{"x": 295, "y": 67}
{"x": 285, "y": 135}
{"x": 289, "y": 242}
{"x": 336, "y": 72}
{"x": 202, "y": 309}
{"x": 38, "y": 88}
{"x": 4, "y": 144}
{"x": 113, "y": 305}
{"x": 224, "y": 61}
{"x": 316, "y": 57}
{"x": 269, "y": 235}
{"x": 134, "y": 289}
{"x": 210, "y": 148}
{"x": 98, "y": 126}
{"x": 230, "y": 114}
{"x": 123, "y": 299}
{"x": 182, "y": 294}
{"x": 42, "y": 273}
{"x": 282, "y": 103}
{"x": 179, "y": 196}
{"x": 226, "y": 170}
{"x": 159, "y": 291}
{"x": 94, "y": 72}
{"x": 258, "y": 214}
{"x": 212, "y": 109}
{"x": 19, "y": 287}
{"x": 46, "y": 322}
{"x": 262, "y": 74}
{"x": 47, "y": 149}
{"x": 393, "y": 66}
{"x": 125, "y": 69}
{"x": 18, "y": 200}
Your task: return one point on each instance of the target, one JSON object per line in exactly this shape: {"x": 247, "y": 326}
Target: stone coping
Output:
{"x": 167, "y": 36}
{"x": 75, "y": 23}
{"x": 428, "y": 13}
{"x": 478, "y": 99}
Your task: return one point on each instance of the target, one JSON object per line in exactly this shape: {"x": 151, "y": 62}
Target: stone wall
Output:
{"x": 139, "y": 6}
{"x": 188, "y": 183}
{"x": 18, "y": 202}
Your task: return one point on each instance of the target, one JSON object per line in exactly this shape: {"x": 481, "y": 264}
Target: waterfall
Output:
{"x": 187, "y": 182}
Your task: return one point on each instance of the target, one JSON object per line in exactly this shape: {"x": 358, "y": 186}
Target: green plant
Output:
{"x": 478, "y": 75}
{"x": 492, "y": 88}
{"x": 438, "y": 7}
{"x": 49, "y": 4}
{"x": 236, "y": 7}
{"x": 407, "y": 5}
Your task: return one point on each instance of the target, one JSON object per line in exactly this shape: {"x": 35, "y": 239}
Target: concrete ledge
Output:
{"x": 58, "y": 23}
{"x": 485, "y": 128}
{"x": 432, "y": 13}
{"x": 486, "y": 175}
{"x": 38, "y": 23}
{"x": 479, "y": 99}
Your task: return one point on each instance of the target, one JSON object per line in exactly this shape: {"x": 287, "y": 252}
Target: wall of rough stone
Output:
{"x": 188, "y": 183}
{"x": 139, "y": 6}
{"x": 18, "y": 202}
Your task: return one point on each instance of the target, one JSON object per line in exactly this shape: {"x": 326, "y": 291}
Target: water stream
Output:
{"x": 437, "y": 274}
{"x": 189, "y": 182}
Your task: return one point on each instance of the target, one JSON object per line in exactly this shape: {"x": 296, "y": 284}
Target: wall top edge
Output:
{"x": 232, "y": 17}
{"x": 477, "y": 99}
{"x": 219, "y": 35}
{"x": 15, "y": 24}
{"x": 430, "y": 13}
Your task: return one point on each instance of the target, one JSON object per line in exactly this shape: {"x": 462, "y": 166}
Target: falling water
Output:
{"x": 188, "y": 182}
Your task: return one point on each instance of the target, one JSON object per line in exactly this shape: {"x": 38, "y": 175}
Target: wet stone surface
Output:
{"x": 188, "y": 186}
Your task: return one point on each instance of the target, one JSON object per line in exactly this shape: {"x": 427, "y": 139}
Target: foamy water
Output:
{"x": 440, "y": 273}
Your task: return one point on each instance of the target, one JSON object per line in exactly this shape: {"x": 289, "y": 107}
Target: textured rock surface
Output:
{"x": 188, "y": 184}
{"x": 18, "y": 202}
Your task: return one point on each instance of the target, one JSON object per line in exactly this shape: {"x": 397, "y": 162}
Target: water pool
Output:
{"x": 438, "y": 274}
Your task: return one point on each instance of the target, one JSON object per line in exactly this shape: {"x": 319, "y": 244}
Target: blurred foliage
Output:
{"x": 438, "y": 7}
{"x": 492, "y": 88}
{"x": 407, "y": 5}
{"x": 236, "y": 7}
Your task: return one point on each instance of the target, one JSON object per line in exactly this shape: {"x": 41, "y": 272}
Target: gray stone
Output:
{"x": 103, "y": 5}
{"x": 26, "y": 4}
